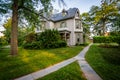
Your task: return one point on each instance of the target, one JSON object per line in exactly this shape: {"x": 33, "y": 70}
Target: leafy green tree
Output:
{"x": 7, "y": 32}
{"x": 22, "y": 9}
{"x": 87, "y": 23}
{"x": 103, "y": 14}
{"x": 115, "y": 24}
{"x": 22, "y": 31}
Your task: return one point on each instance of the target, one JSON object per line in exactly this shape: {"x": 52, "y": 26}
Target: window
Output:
{"x": 77, "y": 14}
{"x": 63, "y": 25}
{"x": 77, "y": 22}
{"x": 78, "y": 37}
{"x": 37, "y": 28}
{"x": 42, "y": 26}
{"x": 64, "y": 12}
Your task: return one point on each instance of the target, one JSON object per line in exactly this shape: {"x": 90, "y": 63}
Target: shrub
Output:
{"x": 32, "y": 45}
{"x": 115, "y": 33}
{"x": 21, "y": 40}
{"x": 3, "y": 41}
{"x": 31, "y": 37}
{"x": 117, "y": 40}
{"x": 62, "y": 43}
{"x": 47, "y": 39}
{"x": 51, "y": 39}
{"x": 109, "y": 39}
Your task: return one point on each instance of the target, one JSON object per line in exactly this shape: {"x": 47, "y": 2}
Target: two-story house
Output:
{"x": 68, "y": 23}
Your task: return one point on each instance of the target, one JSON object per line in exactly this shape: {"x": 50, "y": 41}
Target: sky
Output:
{"x": 82, "y": 5}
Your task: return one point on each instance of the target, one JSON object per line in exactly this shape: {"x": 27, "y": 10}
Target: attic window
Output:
{"x": 77, "y": 15}
{"x": 64, "y": 12}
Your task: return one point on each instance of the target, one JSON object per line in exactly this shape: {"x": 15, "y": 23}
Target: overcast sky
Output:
{"x": 82, "y": 5}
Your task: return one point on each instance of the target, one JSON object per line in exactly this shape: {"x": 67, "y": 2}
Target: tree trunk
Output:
{"x": 103, "y": 26}
{"x": 14, "y": 41}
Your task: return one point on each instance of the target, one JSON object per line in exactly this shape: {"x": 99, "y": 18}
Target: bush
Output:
{"x": 3, "y": 41}
{"x": 32, "y": 45}
{"x": 62, "y": 43}
{"x": 58, "y": 44}
{"x": 115, "y": 33}
{"x": 51, "y": 39}
{"x": 109, "y": 39}
{"x": 47, "y": 39}
{"x": 31, "y": 37}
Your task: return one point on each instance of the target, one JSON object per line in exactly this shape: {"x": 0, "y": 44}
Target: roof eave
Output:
{"x": 63, "y": 19}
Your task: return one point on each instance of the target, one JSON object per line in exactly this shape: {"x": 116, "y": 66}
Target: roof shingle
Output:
{"x": 70, "y": 14}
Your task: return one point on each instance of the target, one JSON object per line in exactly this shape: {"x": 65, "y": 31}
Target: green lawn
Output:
{"x": 29, "y": 61}
{"x": 105, "y": 61}
{"x": 69, "y": 72}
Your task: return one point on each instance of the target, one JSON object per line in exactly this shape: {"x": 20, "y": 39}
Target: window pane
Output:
{"x": 63, "y": 25}
{"x": 77, "y": 24}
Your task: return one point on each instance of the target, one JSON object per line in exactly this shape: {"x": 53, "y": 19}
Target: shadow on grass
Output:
{"x": 105, "y": 61}
{"x": 29, "y": 61}
{"x": 111, "y": 53}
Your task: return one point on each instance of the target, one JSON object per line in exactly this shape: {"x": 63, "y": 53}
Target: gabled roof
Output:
{"x": 59, "y": 16}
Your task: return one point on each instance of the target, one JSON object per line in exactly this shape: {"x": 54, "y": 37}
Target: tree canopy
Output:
{"x": 104, "y": 17}
{"x": 23, "y": 10}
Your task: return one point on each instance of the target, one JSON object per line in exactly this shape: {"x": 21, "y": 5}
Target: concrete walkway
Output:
{"x": 89, "y": 73}
{"x": 87, "y": 70}
{"x": 41, "y": 73}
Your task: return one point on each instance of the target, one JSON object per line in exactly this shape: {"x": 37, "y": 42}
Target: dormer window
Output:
{"x": 64, "y": 12}
{"x": 77, "y": 14}
{"x": 63, "y": 25}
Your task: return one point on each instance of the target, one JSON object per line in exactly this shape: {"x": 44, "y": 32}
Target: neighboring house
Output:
{"x": 68, "y": 23}
{"x": 107, "y": 34}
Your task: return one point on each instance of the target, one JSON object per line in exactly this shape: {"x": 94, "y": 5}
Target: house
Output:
{"x": 68, "y": 23}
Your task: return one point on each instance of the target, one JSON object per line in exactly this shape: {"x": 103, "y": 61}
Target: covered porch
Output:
{"x": 65, "y": 35}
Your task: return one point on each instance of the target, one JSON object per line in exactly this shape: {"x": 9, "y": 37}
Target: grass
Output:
{"x": 29, "y": 61}
{"x": 105, "y": 61}
{"x": 69, "y": 72}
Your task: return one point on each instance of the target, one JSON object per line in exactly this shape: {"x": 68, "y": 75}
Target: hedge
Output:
{"x": 108, "y": 39}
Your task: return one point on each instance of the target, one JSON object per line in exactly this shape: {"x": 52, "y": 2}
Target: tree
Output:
{"x": 22, "y": 9}
{"x": 103, "y": 14}
{"x": 7, "y": 32}
{"x": 22, "y": 31}
{"x": 86, "y": 22}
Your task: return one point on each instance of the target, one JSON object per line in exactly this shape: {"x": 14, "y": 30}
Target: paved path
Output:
{"x": 87, "y": 70}
{"x": 89, "y": 73}
{"x": 46, "y": 71}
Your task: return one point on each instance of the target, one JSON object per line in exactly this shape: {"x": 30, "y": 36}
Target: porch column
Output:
{"x": 65, "y": 36}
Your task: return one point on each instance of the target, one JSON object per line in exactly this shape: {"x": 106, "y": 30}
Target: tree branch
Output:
{"x": 27, "y": 9}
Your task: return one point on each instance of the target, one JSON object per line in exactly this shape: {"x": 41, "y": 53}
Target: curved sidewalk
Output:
{"x": 90, "y": 74}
